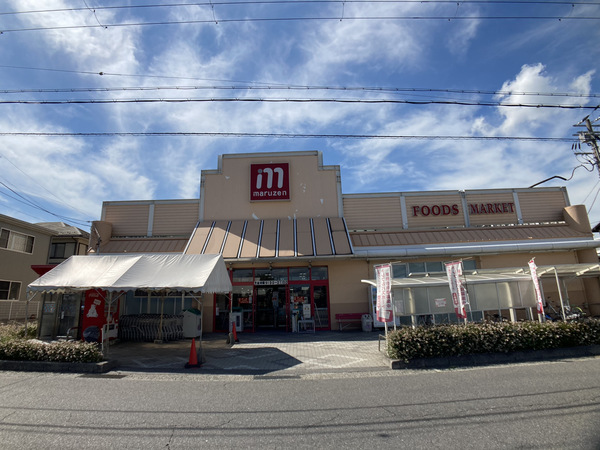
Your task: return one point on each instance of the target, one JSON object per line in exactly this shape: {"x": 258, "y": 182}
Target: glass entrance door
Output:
{"x": 69, "y": 312}
{"x": 321, "y": 309}
{"x": 272, "y": 308}
{"x": 60, "y": 316}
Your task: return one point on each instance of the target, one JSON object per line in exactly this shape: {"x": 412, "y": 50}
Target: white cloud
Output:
{"x": 449, "y": 164}
{"x": 462, "y": 35}
{"x": 91, "y": 49}
{"x": 533, "y": 78}
{"x": 382, "y": 45}
{"x": 583, "y": 84}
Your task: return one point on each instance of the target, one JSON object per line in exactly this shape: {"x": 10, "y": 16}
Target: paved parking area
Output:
{"x": 258, "y": 353}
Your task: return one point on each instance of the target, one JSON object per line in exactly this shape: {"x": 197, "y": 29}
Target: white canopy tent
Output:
{"x": 164, "y": 273}
{"x": 153, "y": 272}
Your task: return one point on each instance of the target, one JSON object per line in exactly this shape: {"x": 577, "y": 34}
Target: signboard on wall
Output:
{"x": 269, "y": 182}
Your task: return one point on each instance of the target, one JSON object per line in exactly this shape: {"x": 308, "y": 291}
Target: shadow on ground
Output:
{"x": 256, "y": 353}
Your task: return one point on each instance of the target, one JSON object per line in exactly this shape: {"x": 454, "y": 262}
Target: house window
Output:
{"x": 57, "y": 251}
{"x": 11, "y": 240}
{"x": 62, "y": 250}
{"x": 10, "y": 290}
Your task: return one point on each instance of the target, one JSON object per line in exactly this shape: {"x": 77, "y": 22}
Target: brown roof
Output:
{"x": 272, "y": 238}
{"x": 508, "y": 233}
{"x": 144, "y": 245}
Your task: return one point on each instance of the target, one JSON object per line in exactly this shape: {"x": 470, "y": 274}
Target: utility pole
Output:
{"x": 590, "y": 137}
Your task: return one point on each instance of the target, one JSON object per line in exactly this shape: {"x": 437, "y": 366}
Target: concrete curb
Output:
{"x": 486, "y": 359}
{"x": 61, "y": 367}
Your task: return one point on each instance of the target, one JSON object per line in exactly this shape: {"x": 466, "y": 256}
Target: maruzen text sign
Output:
{"x": 269, "y": 182}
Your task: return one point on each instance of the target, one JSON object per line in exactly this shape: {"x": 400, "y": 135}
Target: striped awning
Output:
{"x": 271, "y": 238}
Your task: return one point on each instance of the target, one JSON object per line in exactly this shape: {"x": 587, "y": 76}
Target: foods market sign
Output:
{"x": 269, "y": 182}
{"x": 474, "y": 208}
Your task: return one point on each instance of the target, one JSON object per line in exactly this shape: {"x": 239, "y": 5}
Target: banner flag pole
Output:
{"x": 384, "y": 308}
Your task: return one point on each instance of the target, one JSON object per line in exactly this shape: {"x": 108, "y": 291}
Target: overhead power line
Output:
{"x": 305, "y": 2}
{"x": 287, "y": 136}
{"x": 276, "y": 87}
{"x": 299, "y": 19}
{"x": 268, "y": 86}
{"x": 22, "y": 199}
{"x": 291, "y": 100}
{"x": 260, "y": 85}
{"x": 2, "y": 156}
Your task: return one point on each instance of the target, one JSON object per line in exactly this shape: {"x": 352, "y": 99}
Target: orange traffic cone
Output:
{"x": 193, "y": 362}
{"x": 235, "y": 338}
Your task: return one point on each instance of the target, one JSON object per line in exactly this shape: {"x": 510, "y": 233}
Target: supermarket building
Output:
{"x": 297, "y": 248}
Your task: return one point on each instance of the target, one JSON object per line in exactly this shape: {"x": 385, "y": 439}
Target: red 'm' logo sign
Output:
{"x": 269, "y": 181}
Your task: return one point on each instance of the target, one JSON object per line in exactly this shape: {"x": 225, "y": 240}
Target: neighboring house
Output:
{"x": 28, "y": 251}
{"x": 67, "y": 241}
{"x": 22, "y": 245}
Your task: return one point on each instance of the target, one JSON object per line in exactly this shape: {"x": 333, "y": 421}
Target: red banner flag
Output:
{"x": 454, "y": 272}
{"x": 536, "y": 285}
{"x": 384, "y": 293}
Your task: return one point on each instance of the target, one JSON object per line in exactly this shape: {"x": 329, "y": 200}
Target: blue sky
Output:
{"x": 434, "y": 52}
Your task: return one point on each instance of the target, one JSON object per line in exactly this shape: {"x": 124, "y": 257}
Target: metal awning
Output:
{"x": 506, "y": 274}
{"x": 271, "y": 238}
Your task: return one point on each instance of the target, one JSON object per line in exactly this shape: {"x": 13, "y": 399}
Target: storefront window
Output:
{"x": 221, "y": 312}
{"x": 319, "y": 273}
{"x": 417, "y": 267}
{"x": 280, "y": 275}
{"x": 435, "y": 267}
{"x": 403, "y": 270}
{"x": 399, "y": 270}
{"x": 299, "y": 274}
{"x": 243, "y": 303}
{"x": 242, "y": 275}
{"x": 263, "y": 274}
{"x": 276, "y": 298}
{"x": 299, "y": 296}
{"x": 469, "y": 264}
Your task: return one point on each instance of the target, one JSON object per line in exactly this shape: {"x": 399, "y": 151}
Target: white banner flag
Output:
{"x": 384, "y": 293}
{"x": 536, "y": 285}
{"x": 454, "y": 272}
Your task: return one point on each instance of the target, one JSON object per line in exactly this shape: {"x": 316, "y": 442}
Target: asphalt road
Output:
{"x": 525, "y": 406}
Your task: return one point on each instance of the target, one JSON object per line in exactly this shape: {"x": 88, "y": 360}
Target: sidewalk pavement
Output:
{"x": 258, "y": 353}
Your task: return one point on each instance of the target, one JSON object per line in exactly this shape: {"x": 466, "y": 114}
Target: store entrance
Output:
{"x": 272, "y": 308}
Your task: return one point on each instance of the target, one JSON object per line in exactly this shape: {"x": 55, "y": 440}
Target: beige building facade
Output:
{"x": 22, "y": 245}
{"x": 301, "y": 253}
{"x": 27, "y": 251}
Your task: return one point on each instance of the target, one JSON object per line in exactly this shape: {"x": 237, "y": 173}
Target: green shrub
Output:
{"x": 16, "y": 330}
{"x": 489, "y": 337}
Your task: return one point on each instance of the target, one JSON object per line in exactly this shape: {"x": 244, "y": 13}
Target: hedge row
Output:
{"x": 489, "y": 337}
{"x": 16, "y": 345}
{"x": 32, "y": 350}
